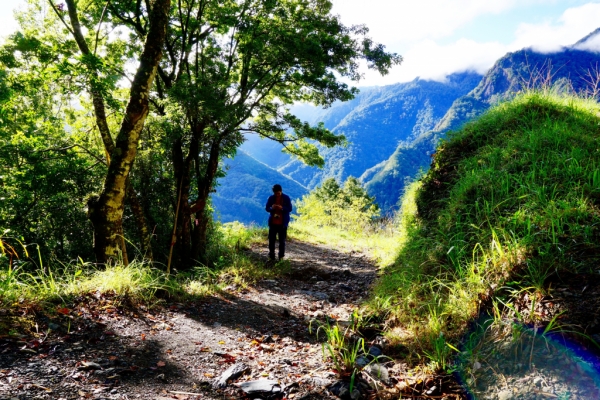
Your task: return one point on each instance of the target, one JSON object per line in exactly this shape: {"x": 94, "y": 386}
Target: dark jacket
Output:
{"x": 286, "y": 203}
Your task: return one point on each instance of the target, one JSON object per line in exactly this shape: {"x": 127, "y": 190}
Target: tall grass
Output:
{"x": 37, "y": 281}
{"x": 380, "y": 241}
{"x": 510, "y": 200}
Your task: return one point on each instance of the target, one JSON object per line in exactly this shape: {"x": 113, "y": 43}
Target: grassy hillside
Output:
{"x": 567, "y": 70}
{"x": 511, "y": 199}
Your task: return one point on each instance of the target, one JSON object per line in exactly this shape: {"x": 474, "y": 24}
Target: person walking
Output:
{"x": 279, "y": 206}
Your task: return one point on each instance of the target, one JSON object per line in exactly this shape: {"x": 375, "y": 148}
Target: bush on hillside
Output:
{"x": 331, "y": 205}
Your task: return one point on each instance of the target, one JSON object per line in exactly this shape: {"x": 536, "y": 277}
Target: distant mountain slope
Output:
{"x": 386, "y": 181}
{"x": 377, "y": 121}
{"x": 564, "y": 70}
{"x": 518, "y": 71}
{"x": 243, "y": 192}
{"x": 393, "y": 130}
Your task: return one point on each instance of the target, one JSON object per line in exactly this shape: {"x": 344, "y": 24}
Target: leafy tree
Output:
{"x": 348, "y": 207}
{"x": 234, "y": 67}
{"x": 231, "y": 67}
{"x": 106, "y": 210}
{"x": 45, "y": 170}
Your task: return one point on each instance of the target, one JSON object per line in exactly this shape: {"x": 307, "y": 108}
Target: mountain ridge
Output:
{"x": 394, "y": 129}
{"x": 513, "y": 73}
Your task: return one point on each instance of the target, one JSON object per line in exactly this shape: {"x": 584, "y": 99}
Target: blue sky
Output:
{"x": 437, "y": 37}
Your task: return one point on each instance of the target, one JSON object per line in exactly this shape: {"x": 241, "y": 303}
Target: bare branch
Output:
{"x": 99, "y": 25}
{"x": 61, "y": 17}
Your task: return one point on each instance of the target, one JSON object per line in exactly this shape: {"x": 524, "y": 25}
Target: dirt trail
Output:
{"x": 107, "y": 351}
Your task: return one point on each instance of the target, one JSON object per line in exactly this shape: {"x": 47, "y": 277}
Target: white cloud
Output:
{"x": 392, "y": 21}
{"x": 427, "y": 59}
{"x": 591, "y": 44}
{"x": 574, "y": 24}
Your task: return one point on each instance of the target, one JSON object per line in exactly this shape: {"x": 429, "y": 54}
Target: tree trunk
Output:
{"x": 205, "y": 185}
{"x": 182, "y": 224}
{"x": 107, "y": 213}
{"x": 141, "y": 222}
{"x": 183, "y": 173}
{"x": 109, "y": 146}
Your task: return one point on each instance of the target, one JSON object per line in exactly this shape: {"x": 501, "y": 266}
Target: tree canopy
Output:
{"x": 228, "y": 68}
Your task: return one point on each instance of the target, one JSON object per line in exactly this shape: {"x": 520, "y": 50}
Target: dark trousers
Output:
{"x": 281, "y": 232}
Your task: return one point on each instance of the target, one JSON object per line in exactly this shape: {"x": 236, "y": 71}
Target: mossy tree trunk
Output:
{"x": 102, "y": 124}
{"x": 107, "y": 212}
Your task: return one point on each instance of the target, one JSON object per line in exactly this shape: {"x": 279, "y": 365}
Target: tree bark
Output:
{"x": 205, "y": 185}
{"x": 141, "y": 222}
{"x": 109, "y": 146}
{"x": 182, "y": 224}
{"x": 107, "y": 212}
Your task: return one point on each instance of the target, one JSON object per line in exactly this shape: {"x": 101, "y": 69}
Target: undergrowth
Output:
{"x": 380, "y": 241}
{"x": 27, "y": 278}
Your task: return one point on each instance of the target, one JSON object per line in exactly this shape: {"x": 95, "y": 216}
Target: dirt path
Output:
{"x": 101, "y": 350}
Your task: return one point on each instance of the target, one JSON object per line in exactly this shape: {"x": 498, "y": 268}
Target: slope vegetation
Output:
{"x": 571, "y": 70}
{"x": 511, "y": 200}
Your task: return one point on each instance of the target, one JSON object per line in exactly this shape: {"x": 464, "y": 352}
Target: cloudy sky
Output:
{"x": 437, "y": 37}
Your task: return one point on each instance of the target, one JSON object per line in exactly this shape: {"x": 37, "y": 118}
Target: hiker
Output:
{"x": 279, "y": 206}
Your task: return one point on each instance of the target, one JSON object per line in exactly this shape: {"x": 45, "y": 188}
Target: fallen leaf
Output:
{"x": 160, "y": 364}
{"x": 64, "y": 311}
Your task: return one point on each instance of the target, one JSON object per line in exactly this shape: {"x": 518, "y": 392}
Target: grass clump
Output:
{"x": 511, "y": 199}
{"x": 31, "y": 281}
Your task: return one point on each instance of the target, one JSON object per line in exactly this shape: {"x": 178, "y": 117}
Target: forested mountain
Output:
{"x": 375, "y": 123}
{"x": 393, "y": 130}
{"x": 242, "y": 195}
{"x": 571, "y": 69}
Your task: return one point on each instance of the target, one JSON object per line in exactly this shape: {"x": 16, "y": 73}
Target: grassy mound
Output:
{"x": 511, "y": 199}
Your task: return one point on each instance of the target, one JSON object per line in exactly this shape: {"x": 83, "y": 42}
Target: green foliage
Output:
{"x": 229, "y": 68}
{"x": 347, "y": 208}
{"x": 510, "y": 199}
{"x": 339, "y": 347}
{"x": 46, "y": 169}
